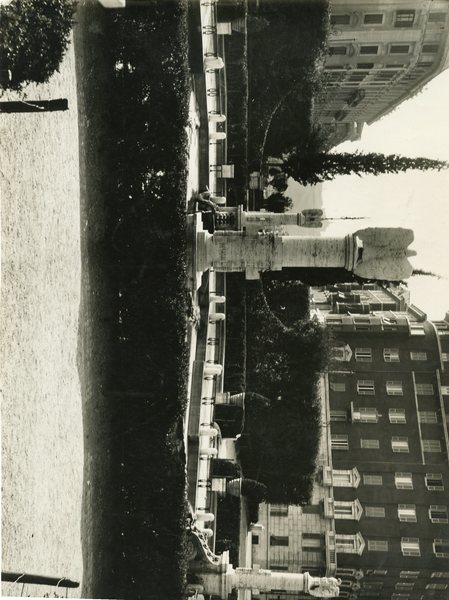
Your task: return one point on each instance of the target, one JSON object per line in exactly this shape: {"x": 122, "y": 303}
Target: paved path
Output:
{"x": 42, "y": 446}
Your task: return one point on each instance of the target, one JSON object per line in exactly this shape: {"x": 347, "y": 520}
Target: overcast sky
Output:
{"x": 420, "y": 201}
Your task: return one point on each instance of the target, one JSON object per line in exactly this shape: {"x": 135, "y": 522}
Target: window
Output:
{"x": 349, "y": 543}
{"x": 337, "y": 50}
{"x": 416, "y": 328}
{"x": 365, "y": 65}
{"x": 363, "y": 355}
{"x": 445, "y": 390}
{"x": 427, "y": 416}
{"x": 394, "y": 388}
{"x": 254, "y": 539}
{"x": 404, "y": 18}
{"x": 347, "y": 510}
{"x": 418, "y": 355}
{"x": 373, "y": 19}
{"x": 437, "y": 17}
{"x": 407, "y": 513}
{"x": 372, "y": 480}
{"x": 339, "y": 442}
{"x": 311, "y": 540}
{"x": 404, "y": 585}
{"x": 365, "y": 387}
{"x": 338, "y": 415}
{"x": 403, "y": 481}
{"x": 369, "y": 444}
{"x": 391, "y": 354}
{"x": 431, "y": 445}
{"x": 365, "y": 414}
{"x": 438, "y": 513}
{"x": 410, "y": 547}
{"x": 440, "y": 575}
{"x": 397, "y": 415}
{"x": 436, "y": 586}
{"x": 369, "y": 49}
{"x": 424, "y": 389}
{"x": 371, "y": 585}
{"x": 441, "y": 548}
{"x": 445, "y": 356}
{"x": 278, "y": 540}
{"x": 399, "y": 444}
{"x": 375, "y": 511}
{"x": 338, "y": 387}
{"x": 339, "y": 353}
{"x": 409, "y": 574}
{"x": 278, "y": 510}
{"x": 434, "y": 482}
{"x": 345, "y": 478}
{"x": 340, "y": 19}
{"x": 378, "y": 545}
{"x": 430, "y": 48}
{"x": 400, "y": 49}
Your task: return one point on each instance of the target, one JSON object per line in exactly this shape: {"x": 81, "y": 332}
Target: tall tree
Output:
{"x": 34, "y": 36}
{"x": 324, "y": 166}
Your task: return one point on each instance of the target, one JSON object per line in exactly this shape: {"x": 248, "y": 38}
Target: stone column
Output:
{"x": 255, "y": 252}
{"x": 264, "y": 580}
{"x": 226, "y": 578}
{"x": 372, "y": 253}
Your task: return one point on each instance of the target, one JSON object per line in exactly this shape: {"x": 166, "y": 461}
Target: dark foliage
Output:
{"x": 228, "y": 527}
{"x": 222, "y": 467}
{"x": 136, "y": 96}
{"x": 289, "y": 300}
{"x": 235, "y": 50}
{"x": 254, "y": 490}
{"x": 229, "y": 418}
{"x": 309, "y": 168}
{"x": 278, "y": 203}
{"x": 252, "y": 510}
{"x": 285, "y": 42}
{"x": 284, "y": 362}
{"x": 34, "y": 36}
{"x": 235, "y": 357}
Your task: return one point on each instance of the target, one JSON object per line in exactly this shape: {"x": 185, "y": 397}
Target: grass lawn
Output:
{"x": 133, "y": 93}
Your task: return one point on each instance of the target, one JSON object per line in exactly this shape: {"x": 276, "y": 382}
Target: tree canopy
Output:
{"x": 317, "y": 167}
{"x": 34, "y": 36}
{"x": 282, "y": 430}
{"x": 285, "y": 43}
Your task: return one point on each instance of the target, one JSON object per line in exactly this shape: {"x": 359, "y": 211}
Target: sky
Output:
{"x": 416, "y": 200}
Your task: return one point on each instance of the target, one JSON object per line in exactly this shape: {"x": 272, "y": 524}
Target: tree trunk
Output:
{"x": 31, "y": 106}
{"x": 38, "y": 579}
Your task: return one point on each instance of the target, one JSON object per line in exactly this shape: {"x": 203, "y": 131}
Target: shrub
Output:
{"x": 254, "y": 490}
{"x": 34, "y": 36}
{"x": 222, "y": 467}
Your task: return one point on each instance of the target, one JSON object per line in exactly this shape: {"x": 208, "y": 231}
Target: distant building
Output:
{"x": 380, "y": 54}
{"x": 379, "y": 515}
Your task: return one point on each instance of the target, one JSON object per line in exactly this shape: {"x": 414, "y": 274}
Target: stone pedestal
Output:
{"x": 225, "y": 579}
{"x": 372, "y": 253}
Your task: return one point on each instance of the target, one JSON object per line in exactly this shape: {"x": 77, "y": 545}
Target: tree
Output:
{"x": 34, "y": 36}
{"x": 277, "y": 203}
{"x": 284, "y": 360}
{"x": 324, "y": 166}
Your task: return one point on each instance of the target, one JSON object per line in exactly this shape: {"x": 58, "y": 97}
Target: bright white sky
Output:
{"x": 420, "y": 201}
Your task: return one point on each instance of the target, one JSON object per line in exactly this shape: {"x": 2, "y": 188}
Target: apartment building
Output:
{"x": 380, "y": 54}
{"x": 379, "y": 515}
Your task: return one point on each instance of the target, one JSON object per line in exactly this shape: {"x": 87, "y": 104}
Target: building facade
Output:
{"x": 380, "y": 54}
{"x": 381, "y": 503}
